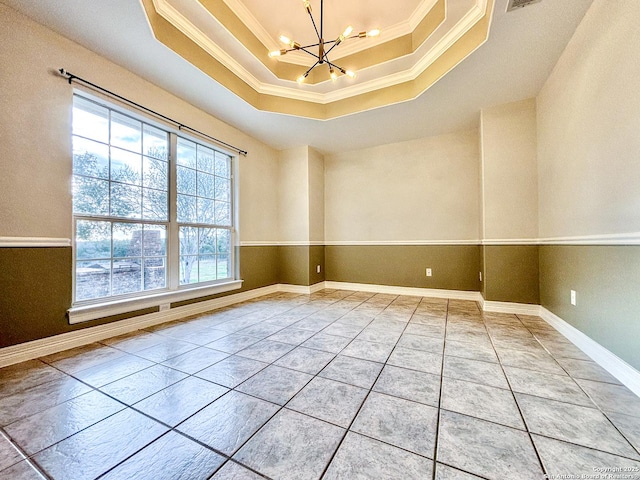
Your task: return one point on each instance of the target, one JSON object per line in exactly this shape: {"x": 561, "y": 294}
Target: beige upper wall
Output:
{"x": 316, "y": 196}
{"x": 293, "y": 195}
{"x": 509, "y": 171}
{"x": 589, "y": 128}
{"x": 35, "y": 126}
{"x": 419, "y": 190}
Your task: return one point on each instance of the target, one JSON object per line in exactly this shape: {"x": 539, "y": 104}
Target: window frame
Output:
{"x": 173, "y": 291}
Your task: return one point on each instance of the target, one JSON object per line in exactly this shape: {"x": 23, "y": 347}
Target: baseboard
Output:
{"x": 413, "y": 291}
{"x": 509, "y": 307}
{"x": 57, "y": 343}
{"x": 625, "y": 373}
{"x": 302, "y": 289}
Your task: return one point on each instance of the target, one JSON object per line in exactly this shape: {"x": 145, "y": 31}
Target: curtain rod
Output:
{"x": 71, "y": 77}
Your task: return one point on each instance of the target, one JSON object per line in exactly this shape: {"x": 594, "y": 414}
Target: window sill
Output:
{"x": 84, "y": 313}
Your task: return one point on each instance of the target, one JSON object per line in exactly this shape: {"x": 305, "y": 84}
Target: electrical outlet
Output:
{"x": 574, "y": 301}
{"x": 428, "y": 272}
{"x": 317, "y": 268}
{"x": 164, "y": 307}
{"x": 480, "y": 275}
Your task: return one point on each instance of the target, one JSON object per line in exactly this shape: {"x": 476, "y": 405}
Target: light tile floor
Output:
{"x": 334, "y": 385}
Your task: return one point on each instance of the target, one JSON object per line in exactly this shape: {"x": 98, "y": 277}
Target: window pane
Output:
{"x": 154, "y": 273}
{"x": 188, "y": 270}
{"x": 223, "y": 213}
{"x": 155, "y": 142}
{"x": 155, "y": 205}
{"x": 126, "y": 167}
{"x": 224, "y": 266}
{"x": 223, "y": 189}
{"x": 207, "y": 241}
{"x": 155, "y": 241}
{"x": 90, "y": 120}
{"x": 223, "y": 241}
{"x": 205, "y": 159}
{"x": 93, "y": 239}
{"x": 93, "y": 279}
{"x": 126, "y": 201}
{"x": 223, "y": 165}
{"x": 155, "y": 174}
{"x": 186, "y": 180}
{"x": 127, "y": 240}
{"x": 187, "y": 209}
{"x": 126, "y": 132}
{"x": 186, "y": 153}
{"x": 90, "y": 158}
{"x": 206, "y": 210}
{"x": 126, "y": 276}
{"x": 90, "y": 196}
{"x": 207, "y": 268}
{"x": 206, "y": 185}
{"x": 188, "y": 241}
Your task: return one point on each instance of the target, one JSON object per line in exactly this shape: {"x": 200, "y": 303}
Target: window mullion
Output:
{"x": 173, "y": 253}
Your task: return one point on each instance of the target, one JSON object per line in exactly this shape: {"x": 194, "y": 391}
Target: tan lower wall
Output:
{"x": 607, "y": 282}
{"x": 510, "y": 273}
{"x": 294, "y": 264}
{"x": 454, "y": 267}
{"x": 316, "y": 257}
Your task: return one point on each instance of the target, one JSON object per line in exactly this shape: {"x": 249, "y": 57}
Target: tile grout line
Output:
{"x": 444, "y": 347}
{"x": 25, "y": 457}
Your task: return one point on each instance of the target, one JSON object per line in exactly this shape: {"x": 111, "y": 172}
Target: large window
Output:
{"x": 130, "y": 237}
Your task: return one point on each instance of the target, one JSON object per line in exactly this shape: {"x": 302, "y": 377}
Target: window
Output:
{"x": 130, "y": 239}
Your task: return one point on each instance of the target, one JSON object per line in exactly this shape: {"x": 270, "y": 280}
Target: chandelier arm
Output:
{"x": 314, "y": 55}
{"x": 342, "y": 70}
{"x": 314, "y": 25}
{"x": 311, "y": 68}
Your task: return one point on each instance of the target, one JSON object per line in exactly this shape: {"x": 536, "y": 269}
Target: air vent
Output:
{"x": 516, "y": 4}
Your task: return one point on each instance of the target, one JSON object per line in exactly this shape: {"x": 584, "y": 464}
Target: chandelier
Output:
{"x": 325, "y": 47}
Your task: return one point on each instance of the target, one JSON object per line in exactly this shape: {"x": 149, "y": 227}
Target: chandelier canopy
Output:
{"x": 325, "y": 47}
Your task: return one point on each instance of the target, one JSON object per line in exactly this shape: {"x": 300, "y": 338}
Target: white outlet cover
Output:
{"x": 428, "y": 272}
{"x": 573, "y": 298}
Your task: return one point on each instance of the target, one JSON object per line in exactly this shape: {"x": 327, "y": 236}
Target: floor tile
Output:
{"x": 405, "y": 424}
{"x": 291, "y": 446}
{"x": 612, "y": 398}
{"x": 572, "y": 423}
{"x": 306, "y": 360}
{"x": 233, "y": 343}
{"x": 134, "y": 341}
{"x": 112, "y": 370}
{"x": 204, "y": 336}
{"x": 165, "y": 350}
{"x": 57, "y": 423}
{"x": 327, "y": 343}
{"x": 473, "y": 371}
{"x": 142, "y": 384}
{"x": 195, "y": 360}
{"x": 409, "y": 384}
{"x": 564, "y": 349}
{"x": 628, "y": 426}
{"x": 328, "y": 400}
{"x": 229, "y": 421}
{"x": 425, "y": 329}
{"x": 419, "y": 342}
{"x": 472, "y": 351}
{"x": 178, "y": 402}
{"x": 275, "y": 384}
{"x": 376, "y": 352}
{"x": 313, "y": 323}
{"x": 38, "y": 398}
{"x": 266, "y": 351}
{"x": 231, "y": 371}
{"x": 354, "y": 371}
{"x": 573, "y": 461}
{"x": 261, "y": 330}
{"x": 21, "y": 376}
{"x": 379, "y": 335}
{"x": 100, "y": 447}
{"x": 21, "y": 471}
{"x": 416, "y": 360}
{"x": 343, "y": 330}
{"x": 540, "y": 361}
{"x": 362, "y": 458}
{"x": 555, "y": 387}
{"x": 87, "y": 356}
{"x": 9, "y": 454}
{"x": 233, "y": 471}
{"x": 291, "y": 335}
{"x": 481, "y": 401}
{"x": 486, "y": 449}
{"x": 443, "y": 472}
{"x": 587, "y": 370}
{"x": 171, "y": 457}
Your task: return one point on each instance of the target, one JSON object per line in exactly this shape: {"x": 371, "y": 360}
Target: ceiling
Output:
{"x": 512, "y": 64}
